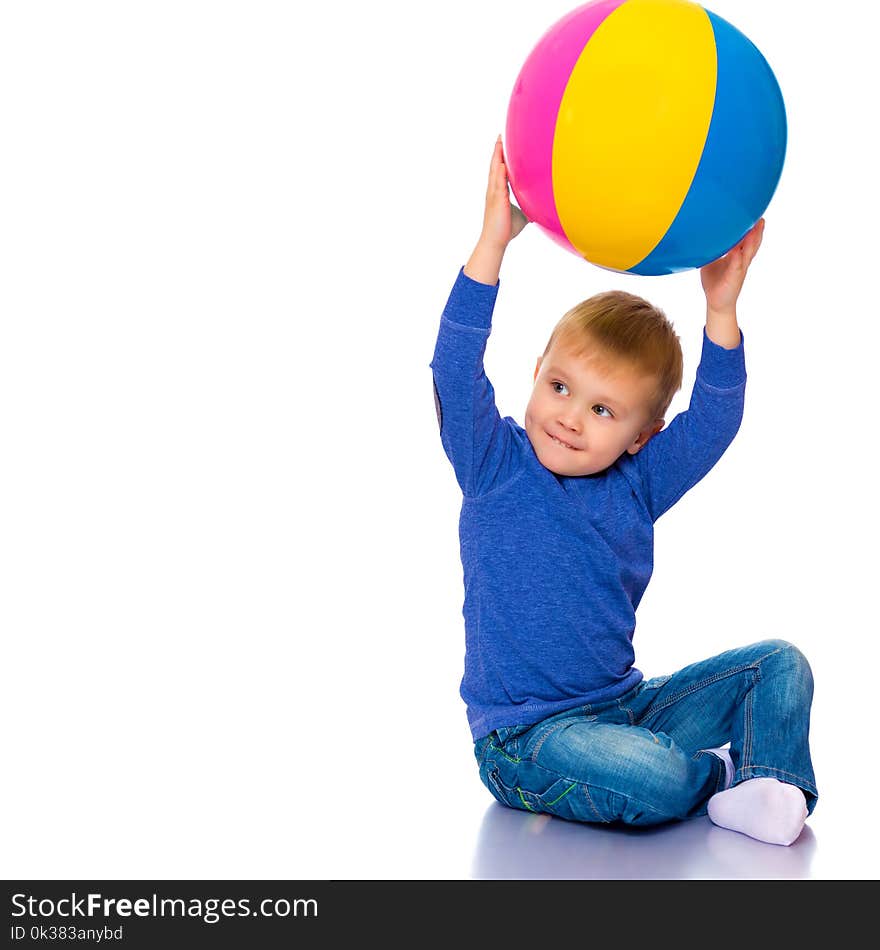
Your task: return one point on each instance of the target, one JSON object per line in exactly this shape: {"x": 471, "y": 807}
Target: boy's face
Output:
{"x": 585, "y": 413}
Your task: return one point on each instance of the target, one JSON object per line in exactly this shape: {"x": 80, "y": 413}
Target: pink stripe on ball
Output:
{"x": 534, "y": 106}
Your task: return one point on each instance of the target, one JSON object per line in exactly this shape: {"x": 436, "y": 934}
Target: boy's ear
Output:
{"x": 537, "y": 367}
{"x": 645, "y": 435}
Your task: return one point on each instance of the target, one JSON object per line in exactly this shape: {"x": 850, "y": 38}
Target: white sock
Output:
{"x": 762, "y": 808}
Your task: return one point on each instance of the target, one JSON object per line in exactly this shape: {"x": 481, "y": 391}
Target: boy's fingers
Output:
{"x": 757, "y": 233}
{"x": 495, "y": 168}
{"x": 498, "y": 182}
{"x": 755, "y": 239}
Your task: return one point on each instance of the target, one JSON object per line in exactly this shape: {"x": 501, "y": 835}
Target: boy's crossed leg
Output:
{"x": 757, "y": 697}
{"x": 654, "y": 755}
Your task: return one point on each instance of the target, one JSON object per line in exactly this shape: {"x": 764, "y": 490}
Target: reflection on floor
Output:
{"x": 518, "y": 845}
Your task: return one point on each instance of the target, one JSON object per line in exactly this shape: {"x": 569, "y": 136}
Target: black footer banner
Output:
{"x": 135, "y": 914}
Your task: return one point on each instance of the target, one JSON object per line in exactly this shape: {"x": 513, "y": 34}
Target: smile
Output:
{"x": 564, "y": 444}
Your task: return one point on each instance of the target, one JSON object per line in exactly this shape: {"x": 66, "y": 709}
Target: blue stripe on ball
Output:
{"x": 741, "y": 162}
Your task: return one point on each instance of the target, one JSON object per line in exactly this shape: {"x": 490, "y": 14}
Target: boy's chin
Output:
{"x": 571, "y": 471}
{"x": 558, "y": 464}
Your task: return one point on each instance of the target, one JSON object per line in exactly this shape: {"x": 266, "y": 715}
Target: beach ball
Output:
{"x": 646, "y": 136}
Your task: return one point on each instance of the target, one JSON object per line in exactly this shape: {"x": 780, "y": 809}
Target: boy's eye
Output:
{"x": 559, "y": 387}
{"x": 599, "y": 410}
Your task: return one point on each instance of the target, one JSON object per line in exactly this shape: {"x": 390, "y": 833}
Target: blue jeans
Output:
{"x": 641, "y": 759}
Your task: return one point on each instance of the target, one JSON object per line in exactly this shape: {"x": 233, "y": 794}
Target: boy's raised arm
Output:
{"x": 502, "y": 221}
{"x": 471, "y": 430}
{"x": 679, "y": 456}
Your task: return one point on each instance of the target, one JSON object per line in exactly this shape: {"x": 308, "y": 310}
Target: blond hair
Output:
{"x": 625, "y": 329}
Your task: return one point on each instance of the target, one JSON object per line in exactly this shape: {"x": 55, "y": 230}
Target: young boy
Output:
{"x": 556, "y": 533}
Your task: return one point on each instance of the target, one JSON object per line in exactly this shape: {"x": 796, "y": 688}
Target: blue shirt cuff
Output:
{"x": 722, "y": 368}
{"x": 471, "y": 303}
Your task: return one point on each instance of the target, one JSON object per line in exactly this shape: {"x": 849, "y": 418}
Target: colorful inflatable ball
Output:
{"x": 646, "y": 136}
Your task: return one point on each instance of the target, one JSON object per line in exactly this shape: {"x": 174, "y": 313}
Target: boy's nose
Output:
{"x": 572, "y": 422}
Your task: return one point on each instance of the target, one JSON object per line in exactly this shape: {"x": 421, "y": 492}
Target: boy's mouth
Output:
{"x": 564, "y": 444}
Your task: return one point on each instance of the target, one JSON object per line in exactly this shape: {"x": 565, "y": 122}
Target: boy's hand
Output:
{"x": 723, "y": 279}
{"x": 502, "y": 221}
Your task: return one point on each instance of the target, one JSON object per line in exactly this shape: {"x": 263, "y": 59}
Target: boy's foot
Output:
{"x": 762, "y": 808}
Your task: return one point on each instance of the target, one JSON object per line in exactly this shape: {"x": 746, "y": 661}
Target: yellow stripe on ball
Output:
{"x": 631, "y": 128}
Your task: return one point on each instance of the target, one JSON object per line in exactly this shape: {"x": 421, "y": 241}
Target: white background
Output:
{"x": 230, "y": 587}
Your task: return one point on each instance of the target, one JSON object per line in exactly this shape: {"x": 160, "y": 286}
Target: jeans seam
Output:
{"x": 758, "y": 663}
{"x": 632, "y": 798}
{"x": 693, "y": 688}
{"x": 560, "y": 797}
{"x": 554, "y": 728}
{"x": 723, "y": 674}
{"x": 510, "y": 758}
{"x": 748, "y": 728}
{"x": 592, "y": 805}
{"x": 628, "y": 711}
{"x": 522, "y": 798}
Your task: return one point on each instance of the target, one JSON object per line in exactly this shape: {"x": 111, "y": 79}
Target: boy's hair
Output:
{"x": 625, "y": 328}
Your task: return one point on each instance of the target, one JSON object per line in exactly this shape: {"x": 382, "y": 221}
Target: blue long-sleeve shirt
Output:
{"x": 555, "y": 566}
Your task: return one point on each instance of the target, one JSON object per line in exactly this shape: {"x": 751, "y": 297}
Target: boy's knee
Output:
{"x": 788, "y": 659}
{"x": 789, "y": 652}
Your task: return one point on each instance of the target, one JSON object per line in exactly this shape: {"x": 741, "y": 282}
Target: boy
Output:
{"x": 556, "y": 535}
